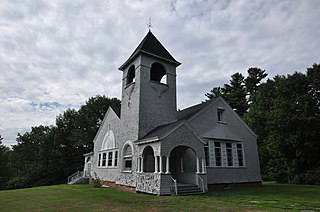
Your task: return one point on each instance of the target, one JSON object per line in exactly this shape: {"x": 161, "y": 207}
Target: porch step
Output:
{"x": 81, "y": 180}
{"x": 188, "y": 189}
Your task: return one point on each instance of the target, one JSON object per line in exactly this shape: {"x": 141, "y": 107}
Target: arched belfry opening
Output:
{"x": 158, "y": 73}
{"x": 148, "y": 159}
{"x": 131, "y": 75}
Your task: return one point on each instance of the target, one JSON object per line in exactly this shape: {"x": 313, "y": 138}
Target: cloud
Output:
{"x": 57, "y": 54}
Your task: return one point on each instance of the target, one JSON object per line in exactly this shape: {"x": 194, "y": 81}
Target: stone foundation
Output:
{"x": 221, "y": 186}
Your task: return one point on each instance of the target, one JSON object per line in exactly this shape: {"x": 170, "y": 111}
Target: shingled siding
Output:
{"x": 205, "y": 121}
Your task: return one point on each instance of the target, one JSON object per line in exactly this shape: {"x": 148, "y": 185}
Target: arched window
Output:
{"x": 131, "y": 74}
{"x": 127, "y": 153}
{"x": 158, "y": 73}
{"x": 148, "y": 159}
{"x": 108, "y": 141}
{"x": 108, "y": 156}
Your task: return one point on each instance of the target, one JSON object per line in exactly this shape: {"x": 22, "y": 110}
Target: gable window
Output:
{"x": 158, "y": 73}
{"x": 229, "y": 154}
{"x": 217, "y": 152}
{"x": 108, "y": 156}
{"x": 220, "y": 112}
{"x": 240, "y": 155}
{"x": 127, "y": 157}
{"x": 131, "y": 75}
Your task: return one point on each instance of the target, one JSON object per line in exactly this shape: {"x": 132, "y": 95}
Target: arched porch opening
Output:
{"x": 183, "y": 164}
{"x": 148, "y": 159}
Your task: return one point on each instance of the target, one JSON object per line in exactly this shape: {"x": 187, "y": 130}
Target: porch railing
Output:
{"x": 174, "y": 187}
{"x": 201, "y": 184}
{"x": 74, "y": 177}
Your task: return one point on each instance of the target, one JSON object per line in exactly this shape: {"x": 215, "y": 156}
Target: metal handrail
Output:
{"x": 75, "y": 176}
{"x": 175, "y": 186}
{"x": 202, "y": 183}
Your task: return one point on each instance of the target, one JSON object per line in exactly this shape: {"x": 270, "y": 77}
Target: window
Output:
{"x": 108, "y": 149}
{"x": 104, "y": 158}
{"x": 127, "y": 157}
{"x": 229, "y": 154}
{"x": 220, "y": 112}
{"x": 158, "y": 73}
{"x": 240, "y": 154}
{"x": 99, "y": 160}
{"x": 225, "y": 154}
{"x": 110, "y": 158}
{"x": 217, "y": 152}
{"x": 206, "y": 154}
{"x": 115, "y": 158}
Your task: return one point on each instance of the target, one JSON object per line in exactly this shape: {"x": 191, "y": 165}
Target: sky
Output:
{"x": 54, "y": 55}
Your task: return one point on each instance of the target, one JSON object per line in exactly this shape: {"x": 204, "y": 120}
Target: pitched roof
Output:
{"x": 162, "y": 130}
{"x": 190, "y": 111}
{"x": 117, "y": 110}
{"x": 152, "y": 46}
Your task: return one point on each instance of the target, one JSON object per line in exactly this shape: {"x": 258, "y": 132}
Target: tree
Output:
{"x": 285, "y": 114}
{"x": 4, "y": 173}
{"x": 214, "y": 93}
{"x": 49, "y": 154}
{"x": 235, "y": 93}
{"x": 253, "y": 80}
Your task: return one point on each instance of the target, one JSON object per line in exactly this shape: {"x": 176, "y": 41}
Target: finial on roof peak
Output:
{"x": 149, "y": 24}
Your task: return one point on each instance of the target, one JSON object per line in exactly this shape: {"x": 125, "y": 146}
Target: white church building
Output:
{"x": 148, "y": 146}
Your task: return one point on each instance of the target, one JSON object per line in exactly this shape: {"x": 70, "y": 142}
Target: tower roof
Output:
{"x": 151, "y": 45}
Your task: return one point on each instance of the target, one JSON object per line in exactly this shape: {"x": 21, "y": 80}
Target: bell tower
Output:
{"x": 148, "y": 89}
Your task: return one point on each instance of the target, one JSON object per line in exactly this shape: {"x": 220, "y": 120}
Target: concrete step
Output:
{"x": 184, "y": 190}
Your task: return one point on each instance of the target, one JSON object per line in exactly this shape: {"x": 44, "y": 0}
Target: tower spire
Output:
{"x": 149, "y": 24}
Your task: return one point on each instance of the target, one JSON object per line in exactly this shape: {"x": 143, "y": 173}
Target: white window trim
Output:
{"x": 107, "y": 158}
{"x": 223, "y": 149}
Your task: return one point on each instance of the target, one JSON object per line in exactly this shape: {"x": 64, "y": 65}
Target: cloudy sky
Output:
{"x": 54, "y": 55}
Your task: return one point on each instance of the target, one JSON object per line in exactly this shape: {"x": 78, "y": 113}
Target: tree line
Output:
{"x": 283, "y": 111}
{"x": 49, "y": 154}
{"x": 285, "y": 114}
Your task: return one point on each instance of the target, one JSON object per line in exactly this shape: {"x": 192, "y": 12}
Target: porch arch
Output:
{"x": 183, "y": 164}
{"x": 148, "y": 159}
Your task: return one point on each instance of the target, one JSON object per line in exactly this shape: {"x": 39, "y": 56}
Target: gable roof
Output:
{"x": 151, "y": 45}
{"x": 109, "y": 111}
{"x": 161, "y": 130}
{"x": 117, "y": 110}
{"x": 190, "y": 111}
{"x": 165, "y": 130}
{"x": 198, "y": 109}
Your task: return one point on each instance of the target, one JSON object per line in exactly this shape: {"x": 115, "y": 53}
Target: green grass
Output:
{"x": 270, "y": 197}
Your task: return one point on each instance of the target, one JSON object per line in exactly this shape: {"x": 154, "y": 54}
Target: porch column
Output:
{"x": 167, "y": 165}
{"x": 181, "y": 164}
{"x": 140, "y": 163}
{"x": 155, "y": 164}
{"x": 198, "y": 170}
{"x": 142, "y": 160}
{"x": 203, "y": 166}
{"x": 160, "y": 157}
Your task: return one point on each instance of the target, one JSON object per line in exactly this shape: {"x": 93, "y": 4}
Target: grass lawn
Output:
{"x": 270, "y": 197}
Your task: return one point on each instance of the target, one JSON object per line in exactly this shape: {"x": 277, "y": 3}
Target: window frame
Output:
{"x": 218, "y": 154}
